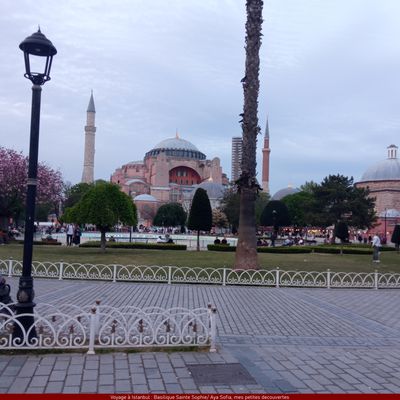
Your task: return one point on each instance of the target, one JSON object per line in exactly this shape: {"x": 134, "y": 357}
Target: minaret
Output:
{"x": 265, "y": 161}
{"x": 90, "y": 129}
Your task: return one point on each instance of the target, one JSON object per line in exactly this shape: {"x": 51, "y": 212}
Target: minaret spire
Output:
{"x": 90, "y": 130}
{"x": 265, "y": 160}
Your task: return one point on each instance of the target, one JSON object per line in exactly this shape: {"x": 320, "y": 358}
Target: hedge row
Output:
{"x": 298, "y": 249}
{"x": 127, "y": 245}
{"x": 42, "y": 242}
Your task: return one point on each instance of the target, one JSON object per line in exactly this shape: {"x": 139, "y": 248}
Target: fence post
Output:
{"x": 328, "y": 278}
{"x": 213, "y": 330}
{"x": 10, "y": 261}
{"x": 277, "y": 277}
{"x": 97, "y": 318}
{"x": 169, "y": 274}
{"x": 60, "y": 275}
{"x": 92, "y": 331}
{"x": 114, "y": 273}
{"x": 224, "y": 277}
{"x": 376, "y": 279}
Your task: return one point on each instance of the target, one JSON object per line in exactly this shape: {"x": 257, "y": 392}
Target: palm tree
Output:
{"x": 246, "y": 251}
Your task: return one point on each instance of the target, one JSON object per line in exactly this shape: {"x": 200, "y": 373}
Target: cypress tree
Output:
{"x": 200, "y": 216}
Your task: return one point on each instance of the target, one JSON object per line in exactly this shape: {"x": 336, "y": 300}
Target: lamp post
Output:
{"x": 385, "y": 236}
{"x": 275, "y": 232}
{"x": 37, "y": 48}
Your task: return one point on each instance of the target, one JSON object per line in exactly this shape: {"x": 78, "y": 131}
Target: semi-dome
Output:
{"x": 176, "y": 147}
{"x": 280, "y": 194}
{"x": 214, "y": 190}
{"x": 145, "y": 197}
{"x": 386, "y": 170}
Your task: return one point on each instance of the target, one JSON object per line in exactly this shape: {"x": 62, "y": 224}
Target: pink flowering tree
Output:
{"x": 13, "y": 179}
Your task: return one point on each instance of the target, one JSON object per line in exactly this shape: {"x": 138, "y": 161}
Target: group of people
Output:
{"x": 74, "y": 234}
{"x": 222, "y": 241}
{"x": 167, "y": 239}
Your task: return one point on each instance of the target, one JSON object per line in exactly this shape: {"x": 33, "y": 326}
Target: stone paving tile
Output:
{"x": 304, "y": 340}
{"x": 19, "y": 385}
{"x": 89, "y": 387}
{"x": 54, "y": 387}
{"x": 71, "y": 389}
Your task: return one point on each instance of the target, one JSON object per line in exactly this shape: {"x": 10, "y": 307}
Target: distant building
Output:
{"x": 287, "y": 191}
{"x": 168, "y": 173}
{"x": 237, "y": 146}
{"x": 383, "y": 181}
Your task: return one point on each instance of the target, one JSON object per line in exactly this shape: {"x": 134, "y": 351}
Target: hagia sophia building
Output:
{"x": 174, "y": 168}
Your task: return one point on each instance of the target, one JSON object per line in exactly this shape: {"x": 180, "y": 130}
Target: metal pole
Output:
{"x": 26, "y": 294}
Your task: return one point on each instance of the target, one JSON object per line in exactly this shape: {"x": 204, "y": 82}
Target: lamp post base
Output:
{"x": 24, "y": 325}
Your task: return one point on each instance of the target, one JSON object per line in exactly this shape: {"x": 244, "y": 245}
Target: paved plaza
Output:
{"x": 287, "y": 340}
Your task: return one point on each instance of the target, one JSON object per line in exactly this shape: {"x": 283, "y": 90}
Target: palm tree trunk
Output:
{"x": 246, "y": 250}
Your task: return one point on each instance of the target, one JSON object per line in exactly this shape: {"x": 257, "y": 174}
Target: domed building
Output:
{"x": 280, "y": 194}
{"x": 383, "y": 181}
{"x": 170, "y": 169}
{"x": 215, "y": 192}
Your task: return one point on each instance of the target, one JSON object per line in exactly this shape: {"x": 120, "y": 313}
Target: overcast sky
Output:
{"x": 329, "y": 81}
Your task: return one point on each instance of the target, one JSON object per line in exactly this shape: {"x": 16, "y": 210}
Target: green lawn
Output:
{"x": 390, "y": 261}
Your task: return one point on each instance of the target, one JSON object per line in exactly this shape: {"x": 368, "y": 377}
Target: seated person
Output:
{"x": 160, "y": 240}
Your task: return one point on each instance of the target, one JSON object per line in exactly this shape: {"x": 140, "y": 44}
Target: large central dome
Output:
{"x": 176, "y": 147}
{"x": 386, "y": 170}
{"x": 176, "y": 143}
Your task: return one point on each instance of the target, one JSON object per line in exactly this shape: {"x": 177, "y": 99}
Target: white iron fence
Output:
{"x": 100, "y": 326}
{"x": 221, "y": 276}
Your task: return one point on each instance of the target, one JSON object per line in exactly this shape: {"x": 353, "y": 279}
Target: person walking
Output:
{"x": 70, "y": 234}
{"x": 376, "y": 244}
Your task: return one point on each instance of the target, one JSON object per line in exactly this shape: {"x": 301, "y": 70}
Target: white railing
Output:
{"x": 101, "y": 326}
{"x": 221, "y": 276}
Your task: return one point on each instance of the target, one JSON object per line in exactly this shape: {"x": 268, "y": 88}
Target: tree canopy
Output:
{"x": 275, "y": 214}
{"x": 170, "y": 214}
{"x": 103, "y": 205}
{"x": 300, "y": 208}
{"x": 230, "y": 206}
{"x": 200, "y": 216}
{"x": 336, "y": 199}
{"x": 13, "y": 180}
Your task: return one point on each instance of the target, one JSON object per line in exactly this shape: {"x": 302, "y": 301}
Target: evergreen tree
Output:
{"x": 275, "y": 214}
{"x": 342, "y": 232}
{"x": 170, "y": 214}
{"x": 200, "y": 216}
{"x": 396, "y": 237}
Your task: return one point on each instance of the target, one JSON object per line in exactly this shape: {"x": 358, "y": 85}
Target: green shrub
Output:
{"x": 127, "y": 245}
{"x": 279, "y": 249}
{"x": 285, "y": 250}
{"x": 42, "y": 242}
{"x": 220, "y": 247}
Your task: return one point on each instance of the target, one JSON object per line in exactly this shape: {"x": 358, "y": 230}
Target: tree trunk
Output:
{"x": 198, "y": 241}
{"x": 103, "y": 240}
{"x": 246, "y": 250}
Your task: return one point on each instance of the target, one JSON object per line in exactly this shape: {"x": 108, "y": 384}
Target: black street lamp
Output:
{"x": 37, "y": 48}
